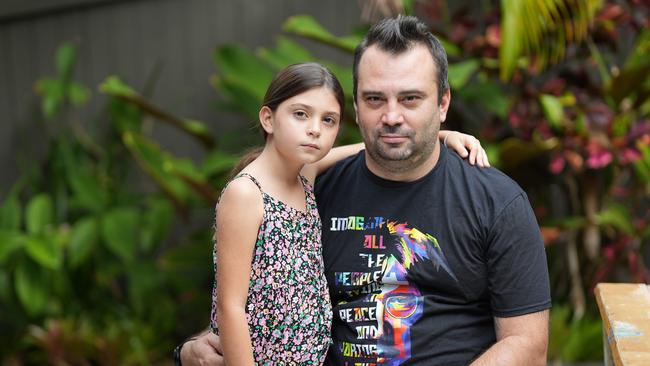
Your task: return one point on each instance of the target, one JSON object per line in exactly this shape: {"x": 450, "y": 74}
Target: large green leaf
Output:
{"x": 65, "y": 59}
{"x": 89, "y": 192}
{"x": 119, "y": 230}
{"x": 157, "y": 223}
{"x": 158, "y": 164}
{"x": 306, "y": 26}
{"x": 285, "y": 53}
{"x": 240, "y": 67}
{"x": 553, "y": 110}
{"x": 460, "y": 72}
{"x": 31, "y": 283}
{"x": 53, "y": 93}
{"x": 10, "y": 241}
{"x": 192, "y": 177}
{"x": 633, "y": 77}
{"x": 237, "y": 98}
{"x": 45, "y": 250}
{"x": 218, "y": 162}
{"x": 487, "y": 93}
{"x": 642, "y": 166}
{"x": 83, "y": 240}
{"x": 113, "y": 85}
{"x": 146, "y": 283}
{"x": 616, "y": 216}
{"x": 10, "y": 213}
{"x": 39, "y": 213}
{"x": 78, "y": 94}
{"x": 117, "y": 88}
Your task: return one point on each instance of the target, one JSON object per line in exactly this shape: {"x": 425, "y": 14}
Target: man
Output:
{"x": 430, "y": 261}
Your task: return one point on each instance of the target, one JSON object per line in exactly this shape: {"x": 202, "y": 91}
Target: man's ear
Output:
{"x": 356, "y": 111}
{"x": 444, "y": 104}
{"x": 266, "y": 119}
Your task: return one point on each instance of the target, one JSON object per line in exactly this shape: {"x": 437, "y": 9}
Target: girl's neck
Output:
{"x": 278, "y": 168}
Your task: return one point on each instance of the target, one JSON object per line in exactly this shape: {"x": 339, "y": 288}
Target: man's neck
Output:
{"x": 404, "y": 175}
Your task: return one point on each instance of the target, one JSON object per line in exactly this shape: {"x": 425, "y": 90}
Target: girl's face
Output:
{"x": 304, "y": 126}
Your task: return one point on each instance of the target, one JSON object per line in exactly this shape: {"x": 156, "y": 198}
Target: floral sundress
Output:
{"x": 288, "y": 306}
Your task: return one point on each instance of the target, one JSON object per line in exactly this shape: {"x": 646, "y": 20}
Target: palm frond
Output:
{"x": 541, "y": 30}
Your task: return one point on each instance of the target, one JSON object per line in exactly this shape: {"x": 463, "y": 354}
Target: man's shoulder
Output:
{"x": 490, "y": 183}
{"x": 490, "y": 176}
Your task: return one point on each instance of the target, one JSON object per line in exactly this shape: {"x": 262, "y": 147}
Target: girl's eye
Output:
{"x": 300, "y": 114}
{"x": 330, "y": 120}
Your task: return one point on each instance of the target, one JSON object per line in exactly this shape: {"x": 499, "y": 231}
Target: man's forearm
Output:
{"x": 514, "y": 351}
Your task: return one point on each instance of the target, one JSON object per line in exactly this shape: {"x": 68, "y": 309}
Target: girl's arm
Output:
{"x": 239, "y": 216}
{"x": 462, "y": 143}
{"x": 311, "y": 171}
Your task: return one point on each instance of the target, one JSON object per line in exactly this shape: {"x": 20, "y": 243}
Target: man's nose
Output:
{"x": 392, "y": 114}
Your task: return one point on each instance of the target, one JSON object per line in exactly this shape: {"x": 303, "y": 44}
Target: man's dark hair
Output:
{"x": 397, "y": 35}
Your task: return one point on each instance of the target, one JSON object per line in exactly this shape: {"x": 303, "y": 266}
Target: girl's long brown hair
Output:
{"x": 289, "y": 82}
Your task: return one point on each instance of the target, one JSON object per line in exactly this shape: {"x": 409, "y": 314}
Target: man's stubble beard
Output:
{"x": 410, "y": 157}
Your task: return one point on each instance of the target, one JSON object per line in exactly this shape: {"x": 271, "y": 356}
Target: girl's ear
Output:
{"x": 266, "y": 119}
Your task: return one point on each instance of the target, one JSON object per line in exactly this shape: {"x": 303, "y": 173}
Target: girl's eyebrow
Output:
{"x": 300, "y": 105}
{"x": 308, "y": 107}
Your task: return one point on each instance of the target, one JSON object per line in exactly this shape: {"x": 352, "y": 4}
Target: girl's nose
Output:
{"x": 314, "y": 129}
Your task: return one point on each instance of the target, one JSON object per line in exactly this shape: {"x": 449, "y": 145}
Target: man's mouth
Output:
{"x": 393, "y": 138}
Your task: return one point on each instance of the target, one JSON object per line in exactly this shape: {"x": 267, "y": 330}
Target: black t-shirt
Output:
{"x": 417, "y": 270}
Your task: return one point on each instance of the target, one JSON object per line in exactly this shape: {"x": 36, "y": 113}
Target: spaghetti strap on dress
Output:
{"x": 288, "y": 307}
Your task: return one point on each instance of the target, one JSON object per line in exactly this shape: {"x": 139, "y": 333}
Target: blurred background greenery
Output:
{"x": 97, "y": 268}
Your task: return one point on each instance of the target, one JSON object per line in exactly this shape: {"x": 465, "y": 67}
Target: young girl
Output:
{"x": 270, "y": 298}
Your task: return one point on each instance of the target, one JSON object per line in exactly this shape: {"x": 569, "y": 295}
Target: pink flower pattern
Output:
{"x": 288, "y": 307}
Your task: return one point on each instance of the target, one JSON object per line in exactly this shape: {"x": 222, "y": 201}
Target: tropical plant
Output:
{"x": 90, "y": 271}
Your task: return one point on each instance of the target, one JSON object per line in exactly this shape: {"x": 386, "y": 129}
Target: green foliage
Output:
{"x": 550, "y": 25}
{"x": 88, "y": 270}
{"x": 306, "y": 26}
{"x": 60, "y": 90}
{"x": 573, "y": 340}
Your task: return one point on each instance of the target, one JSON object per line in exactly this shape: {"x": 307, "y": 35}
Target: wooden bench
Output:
{"x": 625, "y": 310}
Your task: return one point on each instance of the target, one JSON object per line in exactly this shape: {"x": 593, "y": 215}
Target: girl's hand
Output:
{"x": 465, "y": 145}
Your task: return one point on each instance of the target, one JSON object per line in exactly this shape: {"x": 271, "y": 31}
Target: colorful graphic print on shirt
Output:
{"x": 387, "y": 303}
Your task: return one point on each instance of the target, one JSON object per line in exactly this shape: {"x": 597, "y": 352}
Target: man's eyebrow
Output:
{"x": 371, "y": 92}
{"x": 412, "y": 91}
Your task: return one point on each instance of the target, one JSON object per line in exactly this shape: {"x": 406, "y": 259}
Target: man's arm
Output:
{"x": 521, "y": 340}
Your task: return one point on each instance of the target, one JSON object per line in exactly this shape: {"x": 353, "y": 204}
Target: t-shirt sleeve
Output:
{"x": 517, "y": 270}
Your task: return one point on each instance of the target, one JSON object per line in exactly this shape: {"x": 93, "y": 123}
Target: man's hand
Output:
{"x": 204, "y": 350}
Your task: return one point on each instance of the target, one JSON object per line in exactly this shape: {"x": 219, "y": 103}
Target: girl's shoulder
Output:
{"x": 243, "y": 191}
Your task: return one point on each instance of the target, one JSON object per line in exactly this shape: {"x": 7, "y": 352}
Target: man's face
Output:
{"x": 397, "y": 108}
